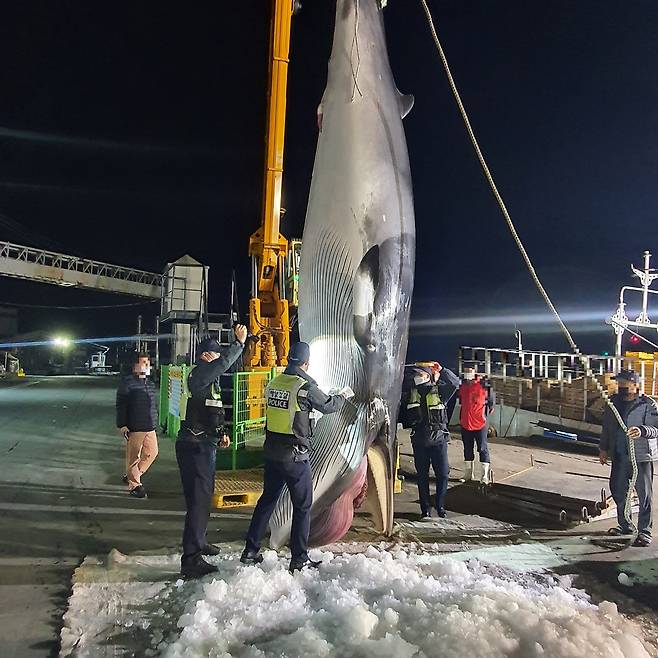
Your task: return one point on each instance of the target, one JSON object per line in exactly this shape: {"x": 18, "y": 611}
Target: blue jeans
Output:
{"x": 297, "y": 477}
{"x": 620, "y": 476}
{"x": 437, "y": 456}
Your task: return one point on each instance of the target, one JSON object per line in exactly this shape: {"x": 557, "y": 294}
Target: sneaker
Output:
{"x": 442, "y": 513}
{"x": 211, "y": 549}
{"x": 642, "y": 541}
{"x": 124, "y": 479}
{"x": 197, "y": 569}
{"x": 138, "y": 492}
{"x": 425, "y": 516}
{"x": 298, "y": 565}
{"x": 251, "y": 557}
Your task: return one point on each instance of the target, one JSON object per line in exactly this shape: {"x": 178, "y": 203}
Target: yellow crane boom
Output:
{"x": 269, "y": 312}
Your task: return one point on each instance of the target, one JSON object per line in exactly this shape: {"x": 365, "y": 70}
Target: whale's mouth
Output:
{"x": 380, "y": 483}
{"x": 371, "y": 488}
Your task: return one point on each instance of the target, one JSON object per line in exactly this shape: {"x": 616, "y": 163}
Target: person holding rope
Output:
{"x": 640, "y": 414}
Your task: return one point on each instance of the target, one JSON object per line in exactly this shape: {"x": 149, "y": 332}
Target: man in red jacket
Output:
{"x": 477, "y": 401}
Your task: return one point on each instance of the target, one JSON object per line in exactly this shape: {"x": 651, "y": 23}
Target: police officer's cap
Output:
{"x": 299, "y": 353}
{"x": 208, "y": 345}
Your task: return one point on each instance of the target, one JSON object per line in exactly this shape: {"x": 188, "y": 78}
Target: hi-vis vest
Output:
{"x": 215, "y": 395}
{"x": 205, "y": 414}
{"x": 282, "y": 405}
{"x": 434, "y": 410}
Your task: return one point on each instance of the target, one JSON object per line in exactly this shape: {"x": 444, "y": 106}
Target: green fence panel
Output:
{"x": 245, "y": 413}
{"x": 164, "y": 395}
{"x": 247, "y": 421}
{"x": 173, "y": 397}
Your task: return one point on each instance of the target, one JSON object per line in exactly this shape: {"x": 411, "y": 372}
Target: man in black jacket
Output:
{"x": 640, "y": 415}
{"x": 137, "y": 418}
{"x": 291, "y": 397}
{"x": 425, "y": 413}
{"x": 196, "y": 447}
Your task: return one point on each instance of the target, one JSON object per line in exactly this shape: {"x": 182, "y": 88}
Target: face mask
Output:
{"x": 625, "y": 392}
{"x": 469, "y": 376}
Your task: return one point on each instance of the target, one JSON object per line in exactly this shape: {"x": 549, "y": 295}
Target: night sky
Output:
{"x": 134, "y": 133}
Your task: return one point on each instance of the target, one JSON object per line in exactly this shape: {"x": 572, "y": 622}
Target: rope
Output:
{"x": 528, "y": 262}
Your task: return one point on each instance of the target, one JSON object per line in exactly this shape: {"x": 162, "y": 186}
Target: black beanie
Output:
{"x": 208, "y": 345}
{"x": 299, "y": 353}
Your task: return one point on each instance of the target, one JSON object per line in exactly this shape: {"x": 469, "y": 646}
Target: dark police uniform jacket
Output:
{"x": 198, "y": 425}
{"x": 286, "y": 447}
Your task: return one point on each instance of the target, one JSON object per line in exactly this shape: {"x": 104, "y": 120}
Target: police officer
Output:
{"x": 291, "y": 397}
{"x": 425, "y": 412}
{"x": 196, "y": 447}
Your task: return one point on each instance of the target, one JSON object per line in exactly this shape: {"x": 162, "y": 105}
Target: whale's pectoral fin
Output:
{"x": 366, "y": 281}
{"x": 406, "y": 102}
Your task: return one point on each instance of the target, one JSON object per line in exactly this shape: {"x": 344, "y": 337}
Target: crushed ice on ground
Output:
{"x": 398, "y": 604}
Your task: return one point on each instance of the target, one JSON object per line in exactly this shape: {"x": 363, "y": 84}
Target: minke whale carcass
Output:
{"x": 356, "y": 277}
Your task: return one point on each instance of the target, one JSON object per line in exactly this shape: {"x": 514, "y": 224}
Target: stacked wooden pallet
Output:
{"x": 576, "y": 400}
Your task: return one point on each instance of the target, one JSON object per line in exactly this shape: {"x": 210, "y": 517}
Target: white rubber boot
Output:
{"x": 468, "y": 472}
{"x": 486, "y": 473}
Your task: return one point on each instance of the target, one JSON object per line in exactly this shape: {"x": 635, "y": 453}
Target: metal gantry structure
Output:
{"x": 34, "y": 264}
{"x": 620, "y": 321}
{"x": 182, "y": 290}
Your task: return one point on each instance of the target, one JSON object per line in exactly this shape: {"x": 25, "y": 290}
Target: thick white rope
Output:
{"x": 528, "y": 262}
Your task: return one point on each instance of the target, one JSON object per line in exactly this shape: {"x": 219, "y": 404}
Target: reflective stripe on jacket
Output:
{"x": 426, "y": 408}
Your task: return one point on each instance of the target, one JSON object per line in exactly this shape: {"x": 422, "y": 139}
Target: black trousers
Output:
{"x": 297, "y": 477}
{"x": 196, "y": 463}
{"x": 437, "y": 456}
{"x": 470, "y": 438}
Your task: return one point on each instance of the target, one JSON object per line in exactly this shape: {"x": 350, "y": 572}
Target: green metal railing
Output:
{"x": 244, "y": 403}
{"x": 247, "y": 420}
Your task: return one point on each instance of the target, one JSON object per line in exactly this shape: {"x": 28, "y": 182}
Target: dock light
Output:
{"x": 62, "y": 342}
{"x": 635, "y": 340}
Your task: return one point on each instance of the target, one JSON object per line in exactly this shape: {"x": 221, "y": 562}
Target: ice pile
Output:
{"x": 394, "y": 604}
